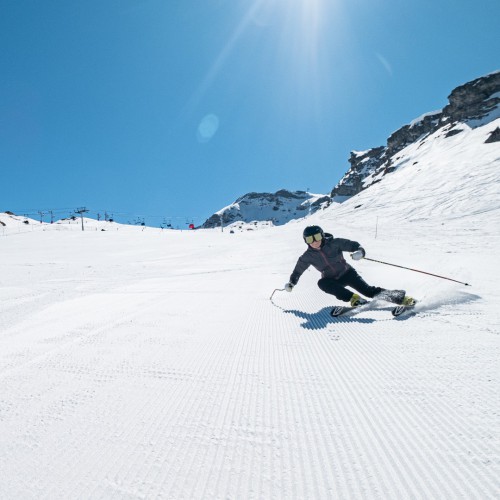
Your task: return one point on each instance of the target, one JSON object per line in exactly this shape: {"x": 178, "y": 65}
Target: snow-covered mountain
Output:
{"x": 277, "y": 208}
{"x": 471, "y": 106}
{"x": 11, "y": 223}
{"x": 11, "y": 220}
{"x": 153, "y": 364}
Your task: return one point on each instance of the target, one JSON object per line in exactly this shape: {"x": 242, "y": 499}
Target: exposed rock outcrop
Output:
{"x": 470, "y": 103}
{"x": 278, "y": 208}
{"x": 494, "y": 136}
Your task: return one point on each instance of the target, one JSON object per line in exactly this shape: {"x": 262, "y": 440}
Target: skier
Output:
{"x": 324, "y": 252}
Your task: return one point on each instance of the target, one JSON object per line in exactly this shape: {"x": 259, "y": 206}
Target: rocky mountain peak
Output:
{"x": 278, "y": 208}
{"x": 470, "y": 104}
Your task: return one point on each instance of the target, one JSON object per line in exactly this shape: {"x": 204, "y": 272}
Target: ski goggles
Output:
{"x": 314, "y": 237}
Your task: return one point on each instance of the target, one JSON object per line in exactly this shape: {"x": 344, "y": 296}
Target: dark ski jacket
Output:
{"x": 328, "y": 260}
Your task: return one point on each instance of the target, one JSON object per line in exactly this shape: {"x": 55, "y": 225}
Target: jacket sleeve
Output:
{"x": 347, "y": 245}
{"x": 300, "y": 267}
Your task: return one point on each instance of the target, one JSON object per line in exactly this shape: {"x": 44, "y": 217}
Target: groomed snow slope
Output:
{"x": 152, "y": 364}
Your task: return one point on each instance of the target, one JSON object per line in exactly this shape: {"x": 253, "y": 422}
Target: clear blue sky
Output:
{"x": 177, "y": 107}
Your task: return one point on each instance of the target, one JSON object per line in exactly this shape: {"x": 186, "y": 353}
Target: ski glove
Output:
{"x": 358, "y": 254}
{"x": 289, "y": 287}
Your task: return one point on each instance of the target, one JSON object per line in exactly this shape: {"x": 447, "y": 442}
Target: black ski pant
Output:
{"x": 337, "y": 286}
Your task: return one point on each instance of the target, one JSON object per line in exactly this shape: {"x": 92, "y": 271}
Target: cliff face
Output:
{"x": 472, "y": 104}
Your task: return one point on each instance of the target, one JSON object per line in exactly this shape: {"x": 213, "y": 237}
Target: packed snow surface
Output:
{"x": 146, "y": 363}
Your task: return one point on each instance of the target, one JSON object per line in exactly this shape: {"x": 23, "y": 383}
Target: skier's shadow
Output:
{"x": 322, "y": 318}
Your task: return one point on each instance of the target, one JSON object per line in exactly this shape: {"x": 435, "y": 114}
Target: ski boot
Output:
{"x": 408, "y": 301}
{"x": 357, "y": 300}
{"x": 406, "y": 305}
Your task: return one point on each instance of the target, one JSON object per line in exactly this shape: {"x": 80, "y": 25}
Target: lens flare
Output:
{"x": 207, "y": 128}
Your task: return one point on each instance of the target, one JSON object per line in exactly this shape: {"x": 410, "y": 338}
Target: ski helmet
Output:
{"x": 311, "y": 233}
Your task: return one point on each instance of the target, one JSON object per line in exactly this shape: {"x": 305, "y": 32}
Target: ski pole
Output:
{"x": 277, "y": 290}
{"x": 271, "y": 298}
{"x": 418, "y": 271}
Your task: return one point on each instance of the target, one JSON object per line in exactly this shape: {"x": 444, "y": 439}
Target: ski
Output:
{"x": 348, "y": 310}
{"x": 340, "y": 310}
{"x": 351, "y": 311}
{"x": 399, "y": 310}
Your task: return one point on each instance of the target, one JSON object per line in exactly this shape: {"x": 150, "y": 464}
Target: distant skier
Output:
{"x": 324, "y": 252}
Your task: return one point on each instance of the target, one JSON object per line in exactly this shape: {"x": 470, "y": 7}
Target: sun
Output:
{"x": 297, "y": 30}
{"x": 303, "y": 17}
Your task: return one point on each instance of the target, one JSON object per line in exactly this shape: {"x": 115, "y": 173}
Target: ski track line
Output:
{"x": 460, "y": 427}
{"x": 427, "y": 474}
{"x": 227, "y": 458}
{"x": 165, "y": 419}
{"x": 306, "y": 388}
{"x": 357, "y": 424}
{"x": 236, "y": 426}
{"x": 97, "y": 448}
{"x": 304, "y": 461}
{"x": 270, "y": 473}
{"x": 451, "y": 444}
{"x": 344, "y": 417}
{"x": 302, "y": 420}
{"x": 264, "y": 408}
{"x": 456, "y": 424}
{"x": 381, "y": 439}
{"x": 44, "y": 358}
{"x": 184, "y": 457}
{"x": 70, "y": 342}
{"x": 328, "y": 406}
{"x": 431, "y": 423}
{"x": 171, "y": 421}
{"x": 217, "y": 428}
